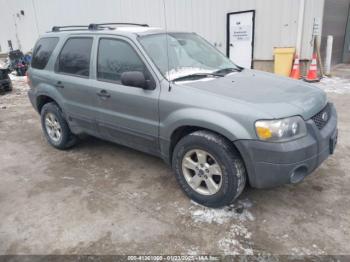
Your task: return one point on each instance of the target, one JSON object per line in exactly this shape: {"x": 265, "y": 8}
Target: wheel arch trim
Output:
{"x": 199, "y": 120}
{"x": 45, "y": 90}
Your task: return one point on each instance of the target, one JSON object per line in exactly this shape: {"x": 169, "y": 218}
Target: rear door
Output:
{"x": 72, "y": 80}
{"x": 128, "y": 115}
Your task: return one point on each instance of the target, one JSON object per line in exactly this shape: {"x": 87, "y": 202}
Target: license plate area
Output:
{"x": 333, "y": 142}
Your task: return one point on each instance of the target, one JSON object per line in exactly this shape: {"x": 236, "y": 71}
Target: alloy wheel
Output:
{"x": 202, "y": 172}
{"x": 53, "y": 127}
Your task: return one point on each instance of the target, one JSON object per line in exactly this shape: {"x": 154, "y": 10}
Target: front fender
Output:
{"x": 206, "y": 119}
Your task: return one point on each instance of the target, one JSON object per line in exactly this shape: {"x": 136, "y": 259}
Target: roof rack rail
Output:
{"x": 92, "y": 26}
{"x": 58, "y": 28}
{"x": 99, "y": 26}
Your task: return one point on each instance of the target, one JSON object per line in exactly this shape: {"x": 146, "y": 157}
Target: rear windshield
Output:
{"x": 42, "y": 52}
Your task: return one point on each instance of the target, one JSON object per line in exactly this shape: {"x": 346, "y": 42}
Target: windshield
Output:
{"x": 188, "y": 54}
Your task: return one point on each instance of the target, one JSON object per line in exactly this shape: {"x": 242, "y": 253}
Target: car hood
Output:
{"x": 274, "y": 95}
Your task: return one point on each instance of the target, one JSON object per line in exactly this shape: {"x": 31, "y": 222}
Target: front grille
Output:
{"x": 322, "y": 117}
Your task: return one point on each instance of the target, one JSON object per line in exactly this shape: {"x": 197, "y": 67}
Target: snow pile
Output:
{"x": 238, "y": 211}
{"x": 237, "y": 240}
{"x": 16, "y": 97}
{"x": 19, "y": 83}
{"x": 184, "y": 71}
{"x": 193, "y": 251}
{"x": 334, "y": 85}
{"x": 2, "y": 64}
{"x": 304, "y": 251}
{"x": 230, "y": 244}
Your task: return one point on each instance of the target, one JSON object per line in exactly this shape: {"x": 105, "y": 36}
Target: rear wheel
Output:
{"x": 55, "y": 127}
{"x": 9, "y": 88}
{"x": 209, "y": 170}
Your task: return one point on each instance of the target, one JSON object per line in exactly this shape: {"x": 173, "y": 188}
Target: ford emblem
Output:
{"x": 324, "y": 116}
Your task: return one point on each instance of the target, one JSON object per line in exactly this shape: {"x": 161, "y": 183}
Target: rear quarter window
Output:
{"x": 42, "y": 52}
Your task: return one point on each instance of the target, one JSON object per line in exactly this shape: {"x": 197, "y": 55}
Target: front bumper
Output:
{"x": 273, "y": 164}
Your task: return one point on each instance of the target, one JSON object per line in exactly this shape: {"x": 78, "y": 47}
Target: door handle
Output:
{"x": 59, "y": 84}
{"x": 103, "y": 93}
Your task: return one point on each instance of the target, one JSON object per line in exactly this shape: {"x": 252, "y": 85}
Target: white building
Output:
{"x": 277, "y": 23}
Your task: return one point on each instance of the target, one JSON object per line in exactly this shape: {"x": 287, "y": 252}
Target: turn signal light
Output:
{"x": 263, "y": 132}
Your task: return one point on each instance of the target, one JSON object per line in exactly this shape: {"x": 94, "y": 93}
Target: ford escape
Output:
{"x": 173, "y": 95}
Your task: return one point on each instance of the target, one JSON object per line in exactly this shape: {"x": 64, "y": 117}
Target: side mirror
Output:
{"x": 136, "y": 79}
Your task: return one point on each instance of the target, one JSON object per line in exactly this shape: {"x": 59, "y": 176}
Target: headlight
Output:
{"x": 281, "y": 129}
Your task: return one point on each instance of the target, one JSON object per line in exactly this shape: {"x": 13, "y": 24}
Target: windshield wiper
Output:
{"x": 197, "y": 75}
{"x": 228, "y": 70}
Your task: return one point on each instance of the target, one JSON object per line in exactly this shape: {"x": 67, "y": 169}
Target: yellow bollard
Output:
{"x": 283, "y": 60}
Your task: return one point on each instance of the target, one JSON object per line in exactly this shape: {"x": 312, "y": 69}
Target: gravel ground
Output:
{"x": 101, "y": 198}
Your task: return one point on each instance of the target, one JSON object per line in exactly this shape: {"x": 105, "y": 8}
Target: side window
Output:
{"x": 74, "y": 58}
{"x": 42, "y": 52}
{"x": 116, "y": 57}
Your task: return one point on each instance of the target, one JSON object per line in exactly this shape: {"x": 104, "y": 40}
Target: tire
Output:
{"x": 10, "y": 89}
{"x": 67, "y": 139}
{"x": 10, "y": 86}
{"x": 221, "y": 157}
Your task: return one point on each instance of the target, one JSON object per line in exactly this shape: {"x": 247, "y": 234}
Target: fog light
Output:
{"x": 298, "y": 174}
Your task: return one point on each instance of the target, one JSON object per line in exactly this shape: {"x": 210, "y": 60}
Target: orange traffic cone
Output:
{"x": 295, "y": 74}
{"x": 312, "y": 73}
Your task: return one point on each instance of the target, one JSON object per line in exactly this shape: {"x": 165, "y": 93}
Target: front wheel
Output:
{"x": 209, "y": 170}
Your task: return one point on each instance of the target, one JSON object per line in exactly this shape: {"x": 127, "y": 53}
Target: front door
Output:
{"x": 240, "y": 37}
{"x": 128, "y": 115}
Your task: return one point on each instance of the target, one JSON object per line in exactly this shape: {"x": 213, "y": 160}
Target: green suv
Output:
{"x": 173, "y": 95}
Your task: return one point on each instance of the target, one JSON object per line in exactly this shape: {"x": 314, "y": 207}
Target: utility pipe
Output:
{"x": 328, "y": 60}
{"x": 300, "y": 26}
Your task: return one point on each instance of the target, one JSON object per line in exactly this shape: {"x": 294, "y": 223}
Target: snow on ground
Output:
{"x": 238, "y": 211}
{"x": 193, "y": 251}
{"x": 237, "y": 240}
{"x": 334, "y": 85}
{"x": 19, "y": 82}
{"x": 16, "y": 96}
{"x": 303, "y": 251}
{"x": 2, "y": 64}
